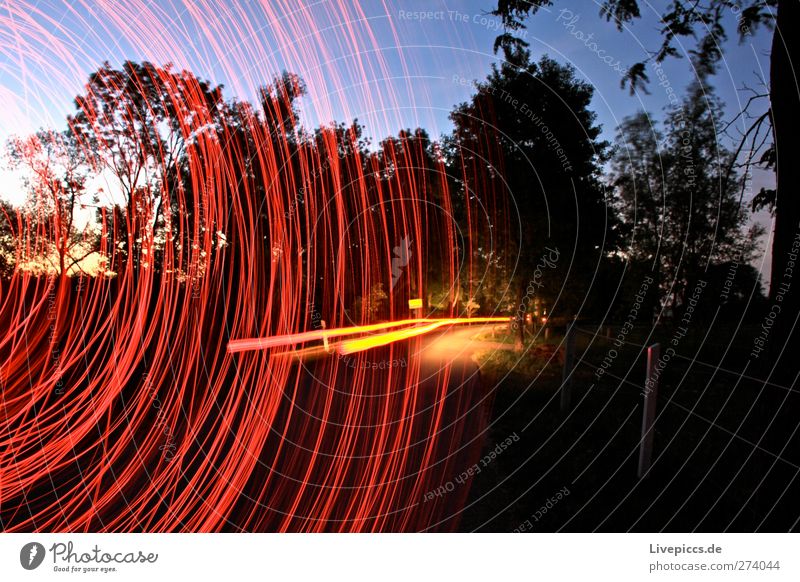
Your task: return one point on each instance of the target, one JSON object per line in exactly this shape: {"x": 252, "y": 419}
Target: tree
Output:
{"x": 637, "y": 169}
{"x": 677, "y": 198}
{"x": 279, "y": 104}
{"x": 527, "y": 158}
{"x": 410, "y": 194}
{"x": 704, "y": 22}
{"x": 8, "y": 239}
{"x": 260, "y": 194}
{"x": 56, "y": 182}
{"x": 370, "y": 306}
{"x": 142, "y": 124}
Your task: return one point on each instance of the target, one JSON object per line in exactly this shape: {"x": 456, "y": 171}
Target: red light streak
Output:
{"x": 358, "y": 345}
{"x": 353, "y": 346}
{"x": 123, "y": 406}
{"x": 298, "y": 338}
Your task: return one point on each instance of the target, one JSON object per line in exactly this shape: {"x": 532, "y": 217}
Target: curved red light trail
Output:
{"x": 125, "y": 403}
{"x": 360, "y": 344}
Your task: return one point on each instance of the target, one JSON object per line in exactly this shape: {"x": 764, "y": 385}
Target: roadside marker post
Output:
{"x": 569, "y": 364}
{"x": 324, "y": 337}
{"x": 649, "y": 413}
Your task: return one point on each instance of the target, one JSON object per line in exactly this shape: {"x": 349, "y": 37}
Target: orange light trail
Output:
{"x": 243, "y": 345}
{"x": 122, "y": 404}
{"x": 384, "y": 339}
{"x": 360, "y": 344}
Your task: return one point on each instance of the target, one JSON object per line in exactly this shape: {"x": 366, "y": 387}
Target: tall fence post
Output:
{"x": 649, "y": 413}
{"x": 569, "y": 364}
{"x": 325, "y": 337}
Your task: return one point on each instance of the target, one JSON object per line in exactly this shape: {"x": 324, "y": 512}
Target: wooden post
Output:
{"x": 569, "y": 364}
{"x": 649, "y": 413}
{"x": 324, "y": 337}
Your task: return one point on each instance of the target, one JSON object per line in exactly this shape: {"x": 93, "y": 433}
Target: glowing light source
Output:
{"x": 419, "y": 327}
{"x": 225, "y": 255}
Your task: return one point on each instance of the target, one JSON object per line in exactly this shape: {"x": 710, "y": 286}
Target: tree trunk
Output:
{"x": 785, "y": 103}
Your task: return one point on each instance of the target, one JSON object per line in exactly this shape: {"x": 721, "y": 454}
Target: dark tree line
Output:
{"x": 526, "y": 149}
{"x": 679, "y": 208}
{"x": 666, "y": 205}
{"x": 518, "y": 190}
{"x": 704, "y": 25}
{"x": 199, "y": 180}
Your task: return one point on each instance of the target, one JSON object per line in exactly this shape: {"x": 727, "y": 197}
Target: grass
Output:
{"x": 725, "y": 447}
{"x": 538, "y": 355}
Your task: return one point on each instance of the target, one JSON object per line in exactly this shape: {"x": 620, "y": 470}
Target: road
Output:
{"x": 396, "y": 433}
{"x": 459, "y": 344}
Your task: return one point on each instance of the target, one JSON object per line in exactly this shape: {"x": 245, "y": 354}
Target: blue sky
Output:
{"x": 399, "y": 69}
{"x": 392, "y": 64}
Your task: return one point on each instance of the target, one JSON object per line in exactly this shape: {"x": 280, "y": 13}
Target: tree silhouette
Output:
{"x": 141, "y": 124}
{"x": 704, "y": 22}
{"x": 526, "y": 150}
{"x": 56, "y": 181}
{"x": 8, "y": 239}
{"x": 678, "y": 202}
